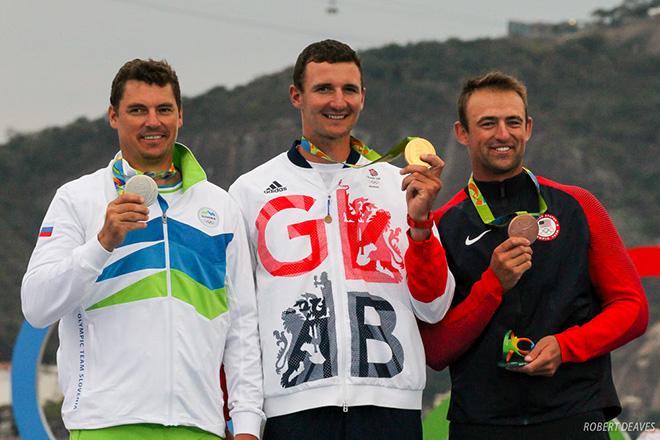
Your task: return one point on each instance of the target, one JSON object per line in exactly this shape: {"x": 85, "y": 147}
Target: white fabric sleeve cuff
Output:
{"x": 246, "y": 422}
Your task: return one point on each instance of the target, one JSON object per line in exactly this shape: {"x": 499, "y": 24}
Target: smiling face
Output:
{"x": 147, "y": 121}
{"x": 330, "y": 102}
{"x": 496, "y": 135}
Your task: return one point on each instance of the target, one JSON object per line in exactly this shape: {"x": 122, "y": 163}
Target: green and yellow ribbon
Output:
{"x": 361, "y": 148}
{"x": 486, "y": 214}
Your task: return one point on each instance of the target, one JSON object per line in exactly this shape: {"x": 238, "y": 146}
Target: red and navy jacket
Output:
{"x": 582, "y": 288}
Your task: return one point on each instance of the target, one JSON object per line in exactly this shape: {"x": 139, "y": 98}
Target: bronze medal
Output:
{"x": 524, "y": 225}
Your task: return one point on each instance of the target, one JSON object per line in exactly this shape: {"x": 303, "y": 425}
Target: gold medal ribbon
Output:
{"x": 361, "y": 148}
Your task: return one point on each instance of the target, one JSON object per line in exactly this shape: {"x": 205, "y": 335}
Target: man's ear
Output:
{"x": 529, "y": 126}
{"x": 295, "y": 96}
{"x": 112, "y": 117}
{"x": 461, "y": 133}
{"x": 364, "y": 97}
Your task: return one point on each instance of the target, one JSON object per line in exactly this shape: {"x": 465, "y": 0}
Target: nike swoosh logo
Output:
{"x": 469, "y": 241}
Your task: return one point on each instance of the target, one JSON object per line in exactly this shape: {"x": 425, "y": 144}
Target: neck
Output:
{"x": 160, "y": 164}
{"x": 498, "y": 179}
{"x": 337, "y": 149}
{"x": 156, "y": 167}
{"x": 169, "y": 182}
{"x": 491, "y": 177}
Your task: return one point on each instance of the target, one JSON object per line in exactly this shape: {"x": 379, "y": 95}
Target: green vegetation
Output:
{"x": 436, "y": 426}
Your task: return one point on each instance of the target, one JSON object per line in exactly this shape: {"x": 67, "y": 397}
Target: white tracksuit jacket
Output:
{"x": 336, "y": 319}
{"x": 143, "y": 329}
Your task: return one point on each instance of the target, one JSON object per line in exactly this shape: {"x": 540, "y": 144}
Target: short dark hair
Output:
{"x": 330, "y": 51}
{"x": 491, "y": 80}
{"x": 148, "y": 71}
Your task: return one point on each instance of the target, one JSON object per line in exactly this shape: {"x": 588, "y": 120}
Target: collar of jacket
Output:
{"x": 297, "y": 159}
{"x": 516, "y": 193}
{"x": 191, "y": 171}
{"x": 493, "y": 190}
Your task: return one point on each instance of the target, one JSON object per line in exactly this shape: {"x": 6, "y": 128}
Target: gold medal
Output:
{"x": 415, "y": 148}
{"x": 327, "y": 218}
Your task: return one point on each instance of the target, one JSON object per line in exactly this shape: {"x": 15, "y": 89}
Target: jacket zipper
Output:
{"x": 343, "y": 348}
{"x": 168, "y": 282}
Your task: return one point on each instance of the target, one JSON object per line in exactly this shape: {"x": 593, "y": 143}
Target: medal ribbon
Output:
{"x": 361, "y": 148}
{"x": 119, "y": 177}
{"x": 486, "y": 214}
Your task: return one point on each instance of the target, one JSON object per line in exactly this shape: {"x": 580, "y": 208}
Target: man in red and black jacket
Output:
{"x": 571, "y": 287}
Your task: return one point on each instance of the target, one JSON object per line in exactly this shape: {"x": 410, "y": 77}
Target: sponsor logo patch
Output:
{"x": 275, "y": 187}
{"x": 46, "y": 231}
{"x": 470, "y": 241}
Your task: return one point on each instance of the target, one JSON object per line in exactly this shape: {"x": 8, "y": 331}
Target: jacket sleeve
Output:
{"x": 448, "y": 339}
{"x": 242, "y": 358}
{"x": 63, "y": 267}
{"x": 624, "y": 315}
{"x": 430, "y": 281}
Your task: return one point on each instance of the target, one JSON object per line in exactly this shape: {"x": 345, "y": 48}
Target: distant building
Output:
{"x": 542, "y": 30}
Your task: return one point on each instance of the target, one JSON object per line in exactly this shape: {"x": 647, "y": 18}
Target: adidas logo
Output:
{"x": 274, "y": 187}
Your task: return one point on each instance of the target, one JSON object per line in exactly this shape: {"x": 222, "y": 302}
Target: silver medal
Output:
{"x": 144, "y": 186}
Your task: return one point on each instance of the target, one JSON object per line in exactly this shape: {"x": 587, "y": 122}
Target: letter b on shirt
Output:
{"x": 376, "y": 352}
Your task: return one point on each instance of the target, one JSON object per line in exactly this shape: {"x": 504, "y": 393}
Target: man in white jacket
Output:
{"x": 150, "y": 299}
{"x": 342, "y": 355}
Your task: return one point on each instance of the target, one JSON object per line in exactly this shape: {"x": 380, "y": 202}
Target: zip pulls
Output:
{"x": 163, "y": 207}
{"x": 328, "y": 217}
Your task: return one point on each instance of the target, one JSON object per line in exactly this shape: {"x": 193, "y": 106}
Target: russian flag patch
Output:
{"x": 46, "y": 231}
